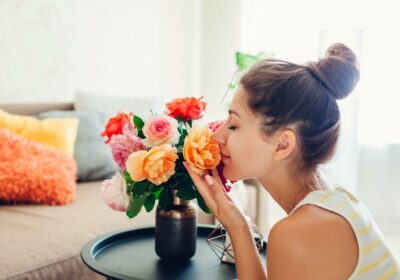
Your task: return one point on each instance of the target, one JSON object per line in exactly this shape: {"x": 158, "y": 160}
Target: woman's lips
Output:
{"x": 224, "y": 157}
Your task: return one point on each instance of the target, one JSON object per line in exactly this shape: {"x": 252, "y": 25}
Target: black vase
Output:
{"x": 176, "y": 230}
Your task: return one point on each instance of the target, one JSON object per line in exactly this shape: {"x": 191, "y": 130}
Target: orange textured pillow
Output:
{"x": 31, "y": 172}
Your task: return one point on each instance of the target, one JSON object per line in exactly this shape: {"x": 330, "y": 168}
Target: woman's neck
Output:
{"x": 285, "y": 189}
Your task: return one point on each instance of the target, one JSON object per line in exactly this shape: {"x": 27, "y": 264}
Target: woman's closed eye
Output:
{"x": 231, "y": 127}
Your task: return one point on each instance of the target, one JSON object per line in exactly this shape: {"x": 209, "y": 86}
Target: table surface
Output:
{"x": 130, "y": 254}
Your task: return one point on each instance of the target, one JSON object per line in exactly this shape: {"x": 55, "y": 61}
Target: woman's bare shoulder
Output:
{"x": 314, "y": 241}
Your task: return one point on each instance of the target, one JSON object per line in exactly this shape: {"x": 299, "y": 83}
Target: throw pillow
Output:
{"x": 93, "y": 157}
{"x": 110, "y": 105}
{"x": 57, "y": 133}
{"x": 31, "y": 172}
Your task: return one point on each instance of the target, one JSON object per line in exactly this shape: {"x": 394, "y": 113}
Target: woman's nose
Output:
{"x": 219, "y": 135}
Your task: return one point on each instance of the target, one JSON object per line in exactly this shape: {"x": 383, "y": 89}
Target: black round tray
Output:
{"x": 130, "y": 254}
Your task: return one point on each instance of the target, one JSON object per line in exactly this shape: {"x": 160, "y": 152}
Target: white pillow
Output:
{"x": 110, "y": 105}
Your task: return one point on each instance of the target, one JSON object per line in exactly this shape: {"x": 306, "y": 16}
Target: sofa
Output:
{"x": 44, "y": 242}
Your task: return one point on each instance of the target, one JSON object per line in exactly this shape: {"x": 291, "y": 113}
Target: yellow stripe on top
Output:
{"x": 368, "y": 248}
{"x": 373, "y": 265}
{"x": 340, "y": 205}
{"x": 354, "y": 215}
{"x": 389, "y": 273}
{"x": 323, "y": 198}
{"x": 375, "y": 261}
{"x": 365, "y": 229}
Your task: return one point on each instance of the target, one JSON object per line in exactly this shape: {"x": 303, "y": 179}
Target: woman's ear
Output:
{"x": 286, "y": 142}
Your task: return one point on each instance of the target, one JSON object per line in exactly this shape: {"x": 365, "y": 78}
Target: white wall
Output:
{"x": 49, "y": 49}
{"x": 220, "y": 39}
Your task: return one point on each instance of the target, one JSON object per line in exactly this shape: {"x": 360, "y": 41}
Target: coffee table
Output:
{"x": 130, "y": 254}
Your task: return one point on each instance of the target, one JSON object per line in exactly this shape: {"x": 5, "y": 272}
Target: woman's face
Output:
{"x": 246, "y": 153}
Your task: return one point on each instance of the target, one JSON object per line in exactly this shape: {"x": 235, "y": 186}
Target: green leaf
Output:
{"x": 139, "y": 188}
{"x": 186, "y": 192}
{"x": 154, "y": 188}
{"x": 182, "y": 138}
{"x": 164, "y": 200}
{"x": 139, "y": 123}
{"x": 190, "y": 123}
{"x": 127, "y": 177}
{"x": 245, "y": 61}
{"x": 232, "y": 86}
{"x": 149, "y": 203}
{"x": 203, "y": 204}
{"x": 157, "y": 193}
{"x": 180, "y": 124}
{"x": 136, "y": 206}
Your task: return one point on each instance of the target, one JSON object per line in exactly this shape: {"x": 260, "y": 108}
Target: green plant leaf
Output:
{"x": 190, "y": 123}
{"x": 149, "y": 203}
{"x": 186, "y": 192}
{"x": 164, "y": 200}
{"x": 180, "y": 123}
{"x": 139, "y": 188}
{"x": 136, "y": 206}
{"x": 182, "y": 138}
{"x": 157, "y": 193}
{"x": 154, "y": 188}
{"x": 129, "y": 182}
{"x": 127, "y": 177}
{"x": 245, "y": 61}
{"x": 202, "y": 204}
{"x": 139, "y": 123}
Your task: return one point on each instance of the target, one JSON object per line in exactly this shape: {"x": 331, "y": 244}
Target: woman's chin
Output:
{"x": 229, "y": 176}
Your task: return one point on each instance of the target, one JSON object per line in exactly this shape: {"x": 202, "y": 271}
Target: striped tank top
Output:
{"x": 375, "y": 259}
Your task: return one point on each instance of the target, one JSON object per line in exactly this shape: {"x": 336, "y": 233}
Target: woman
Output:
{"x": 283, "y": 122}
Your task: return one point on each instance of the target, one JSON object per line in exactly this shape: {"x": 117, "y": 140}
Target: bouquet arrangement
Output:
{"x": 150, "y": 155}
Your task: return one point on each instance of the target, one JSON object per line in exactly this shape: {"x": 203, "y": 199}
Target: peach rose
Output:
{"x": 160, "y": 130}
{"x": 200, "y": 151}
{"x": 157, "y": 165}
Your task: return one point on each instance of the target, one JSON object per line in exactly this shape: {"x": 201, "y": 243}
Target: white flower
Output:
{"x": 114, "y": 193}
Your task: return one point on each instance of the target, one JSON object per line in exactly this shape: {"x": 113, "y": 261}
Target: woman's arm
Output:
{"x": 247, "y": 260}
{"x": 248, "y": 263}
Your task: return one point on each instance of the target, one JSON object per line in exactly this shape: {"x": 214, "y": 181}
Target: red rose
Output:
{"x": 188, "y": 108}
{"x": 226, "y": 183}
{"x": 115, "y": 125}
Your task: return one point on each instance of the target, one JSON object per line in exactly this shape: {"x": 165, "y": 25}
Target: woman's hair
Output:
{"x": 304, "y": 97}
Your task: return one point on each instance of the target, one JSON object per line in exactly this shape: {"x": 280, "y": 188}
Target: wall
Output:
{"x": 49, "y": 49}
{"x": 220, "y": 39}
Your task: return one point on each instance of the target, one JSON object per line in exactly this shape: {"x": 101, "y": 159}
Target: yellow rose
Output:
{"x": 200, "y": 151}
{"x": 157, "y": 165}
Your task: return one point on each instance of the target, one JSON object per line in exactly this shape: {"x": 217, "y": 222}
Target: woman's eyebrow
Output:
{"x": 233, "y": 112}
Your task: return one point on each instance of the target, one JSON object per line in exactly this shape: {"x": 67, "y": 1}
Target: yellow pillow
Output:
{"x": 57, "y": 133}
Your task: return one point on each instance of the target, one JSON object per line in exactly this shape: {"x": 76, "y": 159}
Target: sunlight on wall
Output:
{"x": 291, "y": 29}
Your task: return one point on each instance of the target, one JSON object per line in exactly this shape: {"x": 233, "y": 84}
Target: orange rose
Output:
{"x": 115, "y": 125}
{"x": 157, "y": 165}
{"x": 188, "y": 108}
{"x": 200, "y": 151}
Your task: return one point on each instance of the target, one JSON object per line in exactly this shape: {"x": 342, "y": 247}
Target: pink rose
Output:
{"x": 160, "y": 129}
{"x": 124, "y": 144}
{"x": 114, "y": 193}
{"x": 215, "y": 125}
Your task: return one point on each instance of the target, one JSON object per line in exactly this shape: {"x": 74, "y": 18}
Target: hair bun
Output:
{"x": 338, "y": 70}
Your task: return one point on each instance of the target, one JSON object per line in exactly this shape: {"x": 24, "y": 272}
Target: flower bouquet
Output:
{"x": 150, "y": 155}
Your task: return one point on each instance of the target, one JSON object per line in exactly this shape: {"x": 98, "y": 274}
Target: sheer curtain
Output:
{"x": 367, "y": 161}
